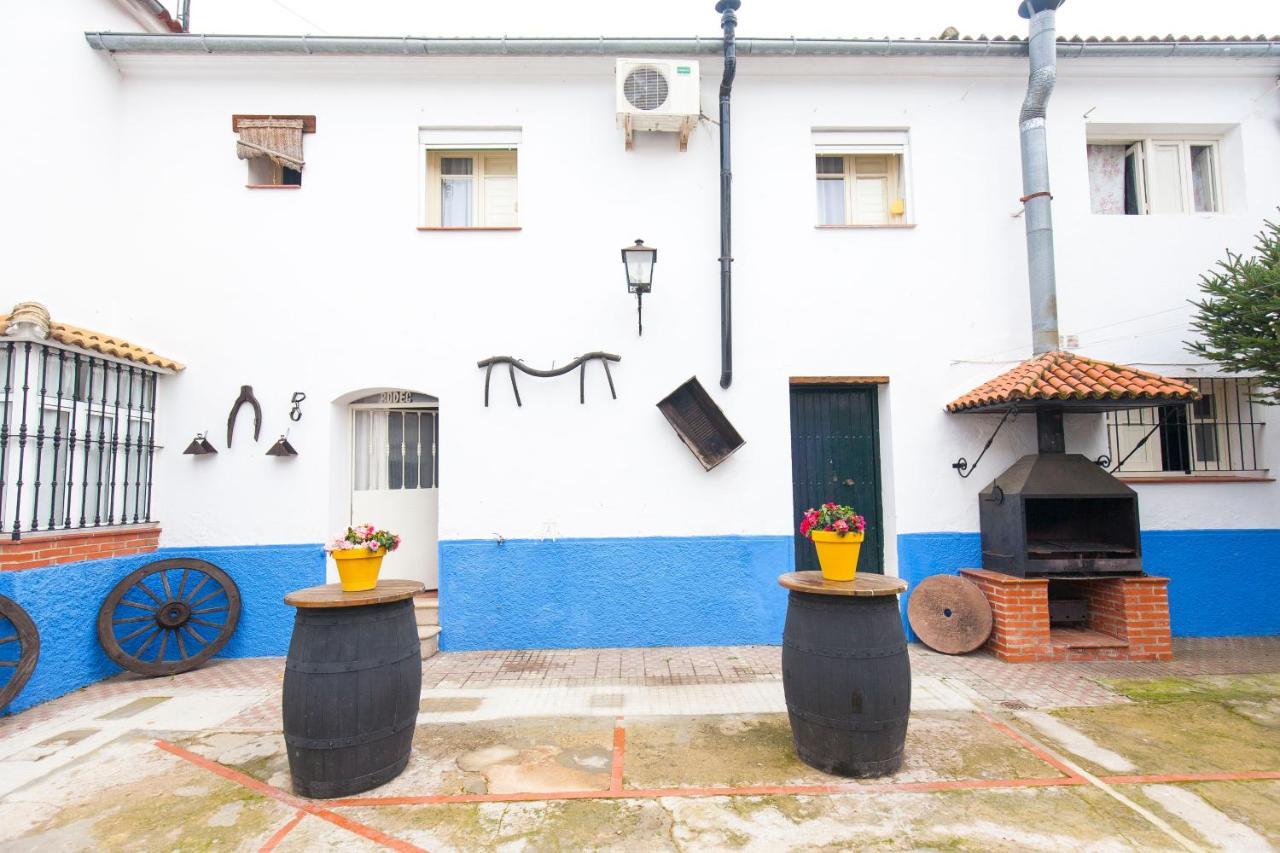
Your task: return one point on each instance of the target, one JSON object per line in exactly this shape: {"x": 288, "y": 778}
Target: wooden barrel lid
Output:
{"x": 863, "y": 585}
{"x": 949, "y": 614}
{"x": 331, "y": 594}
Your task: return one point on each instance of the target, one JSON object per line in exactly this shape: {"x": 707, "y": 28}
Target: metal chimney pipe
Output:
{"x": 1036, "y": 199}
{"x": 729, "y": 22}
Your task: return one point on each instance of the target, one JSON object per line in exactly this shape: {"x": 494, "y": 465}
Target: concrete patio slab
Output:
{"x": 1180, "y": 760}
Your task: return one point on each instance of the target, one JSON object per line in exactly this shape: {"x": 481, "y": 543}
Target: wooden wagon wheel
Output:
{"x": 169, "y": 616}
{"x": 19, "y": 649}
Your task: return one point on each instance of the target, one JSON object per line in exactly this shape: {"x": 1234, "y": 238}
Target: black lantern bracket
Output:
{"x": 514, "y": 364}
{"x": 962, "y": 466}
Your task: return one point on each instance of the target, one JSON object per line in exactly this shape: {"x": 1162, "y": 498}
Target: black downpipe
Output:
{"x": 728, "y": 22}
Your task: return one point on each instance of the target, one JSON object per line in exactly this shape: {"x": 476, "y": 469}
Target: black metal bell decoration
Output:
{"x": 199, "y": 446}
{"x": 282, "y": 447}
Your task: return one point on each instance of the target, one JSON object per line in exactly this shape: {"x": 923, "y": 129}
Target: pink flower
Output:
{"x": 841, "y": 526}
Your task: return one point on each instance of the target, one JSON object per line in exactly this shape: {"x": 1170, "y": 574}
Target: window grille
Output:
{"x": 1218, "y": 434}
{"x": 77, "y": 440}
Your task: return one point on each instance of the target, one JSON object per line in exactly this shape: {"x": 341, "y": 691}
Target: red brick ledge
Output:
{"x": 51, "y": 548}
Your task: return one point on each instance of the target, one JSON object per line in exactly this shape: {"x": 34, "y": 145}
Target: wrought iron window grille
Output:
{"x": 1218, "y": 434}
{"x": 77, "y": 440}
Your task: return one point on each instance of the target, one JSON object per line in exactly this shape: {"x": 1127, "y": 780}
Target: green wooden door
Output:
{"x": 835, "y": 456}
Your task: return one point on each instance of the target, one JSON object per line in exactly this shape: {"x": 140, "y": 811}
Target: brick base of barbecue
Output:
{"x": 1128, "y": 619}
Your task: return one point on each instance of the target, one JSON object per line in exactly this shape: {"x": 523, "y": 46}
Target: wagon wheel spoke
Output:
{"x": 147, "y": 643}
{"x": 12, "y": 638}
{"x": 133, "y": 619}
{"x": 164, "y": 582}
{"x": 164, "y": 641}
{"x": 209, "y": 597}
{"x": 142, "y": 585}
{"x": 203, "y": 580}
{"x": 199, "y": 639}
{"x": 138, "y": 604}
{"x": 182, "y": 649}
{"x": 204, "y": 622}
{"x": 10, "y": 663}
{"x": 223, "y": 609}
{"x": 127, "y": 637}
{"x": 183, "y": 583}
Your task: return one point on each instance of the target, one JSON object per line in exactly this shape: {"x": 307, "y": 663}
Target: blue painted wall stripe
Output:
{"x": 1222, "y": 583}
{"x": 63, "y": 601}
{"x": 572, "y": 593}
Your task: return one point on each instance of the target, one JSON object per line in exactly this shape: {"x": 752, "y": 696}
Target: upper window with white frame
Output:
{"x": 1154, "y": 175}
{"x": 861, "y": 177}
{"x": 469, "y": 178}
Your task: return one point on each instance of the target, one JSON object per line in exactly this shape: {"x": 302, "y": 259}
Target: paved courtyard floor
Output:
{"x": 671, "y": 749}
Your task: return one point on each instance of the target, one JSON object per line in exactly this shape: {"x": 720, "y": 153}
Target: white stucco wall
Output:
{"x": 331, "y": 289}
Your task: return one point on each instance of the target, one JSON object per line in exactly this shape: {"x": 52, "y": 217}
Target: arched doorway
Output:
{"x": 395, "y": 476}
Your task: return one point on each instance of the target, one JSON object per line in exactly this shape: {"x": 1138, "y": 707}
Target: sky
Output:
{"x": 825, "y": 18}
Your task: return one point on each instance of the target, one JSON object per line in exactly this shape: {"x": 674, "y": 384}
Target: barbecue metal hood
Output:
{"x": 1059, "y": 515}
{"x": 1056, "y": 475}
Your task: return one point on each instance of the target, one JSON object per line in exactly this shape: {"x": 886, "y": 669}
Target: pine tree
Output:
{"x": 1239, "y": 317}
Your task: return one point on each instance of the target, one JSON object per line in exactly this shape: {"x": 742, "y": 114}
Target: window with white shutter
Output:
{"x": 861, "y": 178}
{"x": 469, "y": 178}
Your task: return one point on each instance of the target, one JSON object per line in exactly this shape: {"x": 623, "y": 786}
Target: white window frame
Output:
{"x": 851, "y": 144}
{"x": 1146, "y": 144}
{"x": 435, "y": 143}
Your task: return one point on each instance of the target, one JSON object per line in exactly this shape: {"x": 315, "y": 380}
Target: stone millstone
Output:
{"x": 949, "y": 614}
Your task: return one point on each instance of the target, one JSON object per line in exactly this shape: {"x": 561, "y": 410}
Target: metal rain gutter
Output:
{"x": 729, "y": 21}
{"x": 613, "y": 47}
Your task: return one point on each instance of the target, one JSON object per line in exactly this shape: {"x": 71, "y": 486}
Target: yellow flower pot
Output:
{"x": 837, "y": 555}
{"x": 358, "y": 568}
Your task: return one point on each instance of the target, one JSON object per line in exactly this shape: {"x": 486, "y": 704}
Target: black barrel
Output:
{"x": 847, "y": 681}
{"x": 352, "y": 684}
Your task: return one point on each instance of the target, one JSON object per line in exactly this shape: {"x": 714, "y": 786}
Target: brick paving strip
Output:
{"x": 1073, "y": 776}
{"x": 302, "y": 805}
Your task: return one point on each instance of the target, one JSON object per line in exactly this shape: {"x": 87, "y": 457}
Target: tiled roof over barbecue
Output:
{"x": 75, "y": 336}
{"x": 1067, "y": 376}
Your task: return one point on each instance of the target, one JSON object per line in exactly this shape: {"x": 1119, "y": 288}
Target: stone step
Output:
{"x": 426, "y": 610}
{"x": 429, "y": 640}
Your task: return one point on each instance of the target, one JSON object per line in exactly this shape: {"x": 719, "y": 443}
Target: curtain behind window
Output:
{"x": 1106, "y": 178}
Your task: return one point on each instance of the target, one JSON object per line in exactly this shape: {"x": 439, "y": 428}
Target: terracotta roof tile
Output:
{"x": 1067, "y": 376}
{"x": 105, "y": 344}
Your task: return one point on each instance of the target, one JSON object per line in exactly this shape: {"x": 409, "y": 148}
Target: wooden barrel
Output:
{"x": 847, "y": 680}
{"x": 352, "y": 685}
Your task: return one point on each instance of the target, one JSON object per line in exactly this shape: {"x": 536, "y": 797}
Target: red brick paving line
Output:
{"x": 619, "y": 750}
{"x": 1033, "y": 748}
{"x": 1226, "y": 776}
{"x": 374, "y": 835}
{"x": 280, "y": 833}
{"x": 1148, "y": 779}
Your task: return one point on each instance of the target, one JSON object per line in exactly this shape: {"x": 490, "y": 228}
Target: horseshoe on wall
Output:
{"x": 246, "y": 396}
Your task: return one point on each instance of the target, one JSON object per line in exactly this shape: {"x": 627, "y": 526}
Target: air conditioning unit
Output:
{"x": 657, "y": 95}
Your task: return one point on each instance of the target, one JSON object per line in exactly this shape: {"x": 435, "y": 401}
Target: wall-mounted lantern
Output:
{"x": 639, "y": 260}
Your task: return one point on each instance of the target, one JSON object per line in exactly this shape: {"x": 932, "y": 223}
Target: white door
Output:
{"x": 394, "y": 475}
